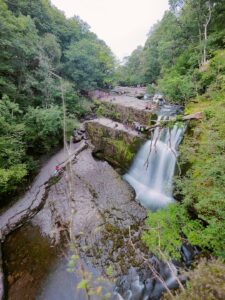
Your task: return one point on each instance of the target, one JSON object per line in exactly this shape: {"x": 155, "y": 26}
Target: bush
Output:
{"x": 202, "y": 187}
{"x": 207, "y": 282}
{"x": 150, "y": 89}
{"x": 10, "y": 178}
{"x": 213, "y": 76}
{"x": 167, "y": 229}
{"x": 177, "y": 88}
{"x": 44, "y": 128}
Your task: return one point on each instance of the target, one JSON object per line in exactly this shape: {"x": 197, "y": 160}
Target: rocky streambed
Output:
{"x": 102, "y": 211}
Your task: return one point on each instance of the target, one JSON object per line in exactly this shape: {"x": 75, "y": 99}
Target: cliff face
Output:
{"x": 125, "y": 109}
{"x": 114, "y": 142}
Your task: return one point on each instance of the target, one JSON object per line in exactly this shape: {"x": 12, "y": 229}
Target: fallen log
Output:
{"x": 195, "y": 116}
{"x": 161, "y": 123}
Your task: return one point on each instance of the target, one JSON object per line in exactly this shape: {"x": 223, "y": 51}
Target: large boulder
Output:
{"x": 114, "y": 141}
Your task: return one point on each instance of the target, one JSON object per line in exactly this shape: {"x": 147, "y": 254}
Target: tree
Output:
{"x": 177, "y": 88}
{"x": 43, "y": 129}
{"x": 89, "y": 64}
{"x": 176, "y": 5}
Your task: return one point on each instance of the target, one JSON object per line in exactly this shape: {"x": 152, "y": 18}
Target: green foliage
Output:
{"x": 83, "y": 284}
{"x": 109, "y": 271}
{"x": 131, "y": 72}
{"x": 123, "y": 150}
{"x": 72, "y": 263}
{"x": 51, "y": 48}
{"x": 150, "y": 89}
{"x": 177, "y": 88}
{"x": 91, "y": 284}
{"x": 90, "y": 64}
{"x": 37, "y": 43}
{"x": 116, "y": 116}
{"x": 214, "y": 74}
{"x": 76, "y": 105}
{"x": 11, "y": 177}
{"x": 177, "y": 47}
{"x": 206, "y": 281}
{"x": 167, "y": 228}
{"x": 43, "y": 128}
{"x": 202, "y": 187}
{"x": 71, "y": 123}
{"x": 100, "y": 111}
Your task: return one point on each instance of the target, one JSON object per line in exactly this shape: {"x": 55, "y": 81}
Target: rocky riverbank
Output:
{"x": 30, "y": 203}
{"x": 87, "y": 201}
{"x": 101, "y": 212}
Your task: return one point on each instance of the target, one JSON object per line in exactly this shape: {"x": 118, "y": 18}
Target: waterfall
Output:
{"x": 152, "y": 171}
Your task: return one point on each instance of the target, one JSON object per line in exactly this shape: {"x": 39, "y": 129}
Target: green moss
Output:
{"x": 123, "y": 149}
{"x": 100, "y": 111}
{"x": 151, "y": 119}
{"x": 112, "y": 229}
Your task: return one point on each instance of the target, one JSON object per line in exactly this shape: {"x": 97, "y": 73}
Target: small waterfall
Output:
{"x": 153, "y": 168}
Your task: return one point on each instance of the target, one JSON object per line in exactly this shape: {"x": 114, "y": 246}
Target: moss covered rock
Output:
{"x": 114, "y": 142}
{"x": 125, "y": 111}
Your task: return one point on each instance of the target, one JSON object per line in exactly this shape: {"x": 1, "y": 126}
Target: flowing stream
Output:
{"x": 152, "y": 171}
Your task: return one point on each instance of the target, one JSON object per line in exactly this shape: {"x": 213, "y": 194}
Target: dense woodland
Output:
{"x": 183, "y": 58}
{"x": 178, "y": 49}
{"x": 37, "y": 44}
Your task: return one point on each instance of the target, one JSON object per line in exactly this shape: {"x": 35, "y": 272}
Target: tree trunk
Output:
{"x": 205, "y": 25}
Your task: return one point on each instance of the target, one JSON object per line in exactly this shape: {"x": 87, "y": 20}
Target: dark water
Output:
{"x": 34, "y": 269}
{"x": 27, "y": 258}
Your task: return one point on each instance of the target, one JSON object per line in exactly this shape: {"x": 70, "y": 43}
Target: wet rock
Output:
{"x": 116, "y": 296}
{"x": 158, "y": 99}
{"x": 145, "y": 285}
{"x": 88, "y": 117}
{"x": 103, "y": 211}
{"x": 188, "y": 253}
{"x": 137, "y": 92}
{"x": 79, "y": 134}
{"x": 148, "y": 288}
{"x": 125, "y": 107}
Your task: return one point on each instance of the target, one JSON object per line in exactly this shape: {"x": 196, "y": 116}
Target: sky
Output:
{"x": 122, "y": 24}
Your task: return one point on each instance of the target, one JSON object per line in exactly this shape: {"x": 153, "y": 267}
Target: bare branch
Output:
{"x": 152, "y": 268}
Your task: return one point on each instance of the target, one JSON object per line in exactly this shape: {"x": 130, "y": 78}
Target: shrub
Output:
{"x": 166, "y": 230}
{"x": 177, "y": 88}
{"x": 10, "y": 178}
{"x": 44, "y": 128}
{"x": 202, "y": 187}
{"x": 206, "y": 282}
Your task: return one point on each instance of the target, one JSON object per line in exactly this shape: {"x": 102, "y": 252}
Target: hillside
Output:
{"x": 43, "y": 55}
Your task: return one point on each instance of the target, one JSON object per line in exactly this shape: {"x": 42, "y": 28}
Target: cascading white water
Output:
{"x": 153, "y": 168}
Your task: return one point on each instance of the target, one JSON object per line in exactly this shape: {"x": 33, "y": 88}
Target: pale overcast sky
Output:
{"x": 122, "y": 24}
